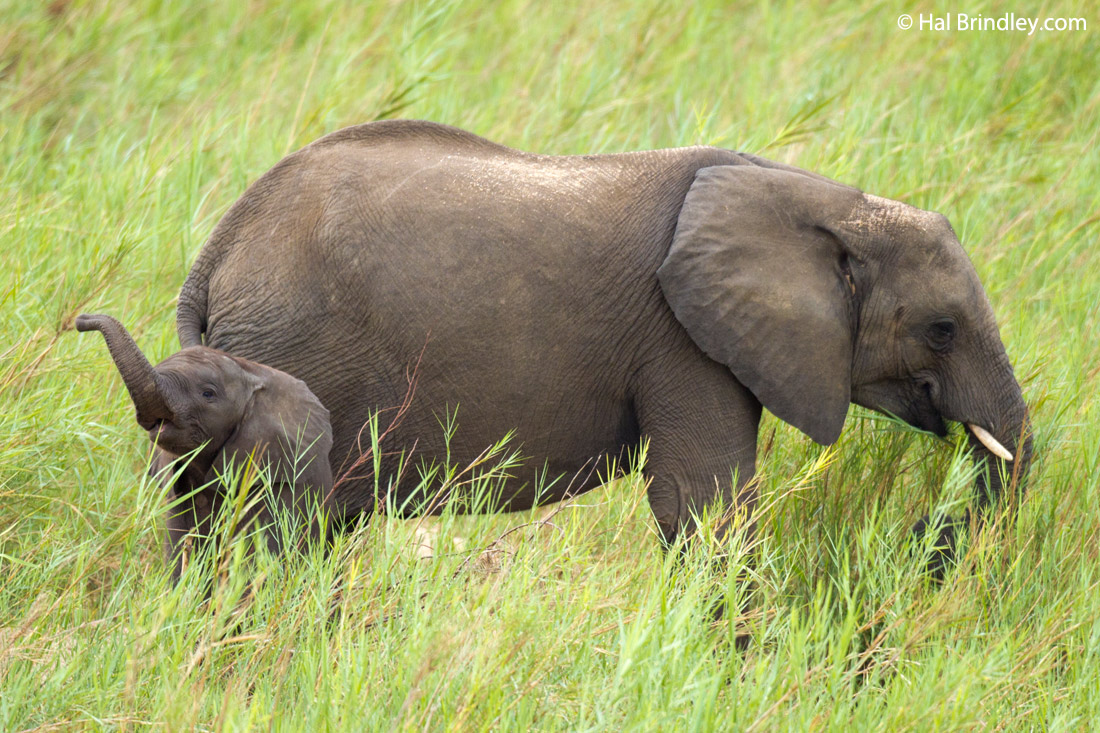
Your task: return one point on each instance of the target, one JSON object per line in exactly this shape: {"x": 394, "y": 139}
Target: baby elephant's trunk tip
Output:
{"x": 87, "y": 322}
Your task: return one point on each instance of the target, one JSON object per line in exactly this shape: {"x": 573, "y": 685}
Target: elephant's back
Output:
{"x": 405, "y": 133}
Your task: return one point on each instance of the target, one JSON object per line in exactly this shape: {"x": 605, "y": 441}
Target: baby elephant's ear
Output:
{"x": 286, "y": 425}
{"x": 756, "y": 274}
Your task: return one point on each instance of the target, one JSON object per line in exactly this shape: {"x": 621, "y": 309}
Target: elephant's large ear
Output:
{"x": 287, "y": 426}
{"x": 759, "y": 275}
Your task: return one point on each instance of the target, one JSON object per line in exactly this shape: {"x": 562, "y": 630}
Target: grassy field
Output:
{"x": 128, "y": 128}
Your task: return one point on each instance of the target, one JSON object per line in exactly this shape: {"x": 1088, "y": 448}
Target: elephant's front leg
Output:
{"x": 189, "y": 525}
{"x": 701, "y": 424}
{"x": 189, "y": 513}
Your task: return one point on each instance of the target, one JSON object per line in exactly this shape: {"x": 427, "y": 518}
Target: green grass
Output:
{"x": 127, "y": 129}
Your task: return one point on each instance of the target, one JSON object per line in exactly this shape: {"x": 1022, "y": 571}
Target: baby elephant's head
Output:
{"x": 204, "y": 394}
{"x": 204, "y": 399}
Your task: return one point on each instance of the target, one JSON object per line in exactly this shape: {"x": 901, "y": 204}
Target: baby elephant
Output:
{"x": 232, "y": 415}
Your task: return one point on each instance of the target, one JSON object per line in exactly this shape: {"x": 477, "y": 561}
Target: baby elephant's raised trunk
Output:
{"x": 136, "y": 371}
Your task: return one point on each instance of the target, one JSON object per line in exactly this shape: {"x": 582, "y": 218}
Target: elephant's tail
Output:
{"x": 191, "y": 310}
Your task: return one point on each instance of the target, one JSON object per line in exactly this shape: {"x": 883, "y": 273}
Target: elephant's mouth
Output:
{"x": 924, "y": 412}
{"x": 925, "y": 415}
{"x": 932, "y": 422}
{"x": 168, "y": 436}
{"x": 911, "y": 401}
{"x": 178, "y": 439}
{"x": 158, "y": 430}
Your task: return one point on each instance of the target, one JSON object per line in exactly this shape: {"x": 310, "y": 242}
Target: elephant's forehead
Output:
{"x": 877, "y": 213}
{"x": 198, "y": 363}
{"x": 924, "y": 239}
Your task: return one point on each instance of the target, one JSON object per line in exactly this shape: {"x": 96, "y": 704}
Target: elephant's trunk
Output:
{"x": 1009, "y": 433}
{"x": 998, "y": 428}
{"x": 136, "y": 371}
{"x": 1012, "y": 431}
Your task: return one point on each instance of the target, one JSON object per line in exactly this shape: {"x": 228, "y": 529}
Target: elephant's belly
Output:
{"x": 563, "y": 441}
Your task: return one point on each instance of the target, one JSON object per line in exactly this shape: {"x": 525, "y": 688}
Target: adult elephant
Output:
{"x": 587, "y": 301}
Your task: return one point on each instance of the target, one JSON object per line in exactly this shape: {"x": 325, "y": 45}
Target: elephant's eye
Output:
{"x": 941, "y": 334}
{"x": 846, "y": 271}
{"x": 208, "y": 394}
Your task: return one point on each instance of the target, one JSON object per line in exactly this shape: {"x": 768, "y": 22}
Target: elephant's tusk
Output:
{"x": 990, "y": 442}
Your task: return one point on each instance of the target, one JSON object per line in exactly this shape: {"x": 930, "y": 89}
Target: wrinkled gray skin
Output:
{"x": 228, "y": 409}
{"x": 588, "y": 301}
